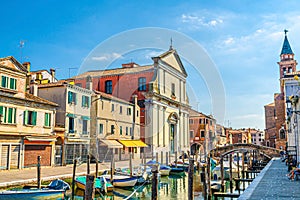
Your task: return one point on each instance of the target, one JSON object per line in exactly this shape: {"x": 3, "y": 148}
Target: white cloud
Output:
{"x": 196, "y": 21}
{"x": 150, "y": 54}
{"x": 107, "y": 57}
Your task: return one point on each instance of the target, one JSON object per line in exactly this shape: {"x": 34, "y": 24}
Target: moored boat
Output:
{"x": 164, "y": 170}
{"x": 55, "y": 190}
{"x": 121, "y": 180}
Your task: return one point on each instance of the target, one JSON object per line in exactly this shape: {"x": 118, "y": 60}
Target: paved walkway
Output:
{"x": 272, "y": 183}
{"x": 25, "y": 176}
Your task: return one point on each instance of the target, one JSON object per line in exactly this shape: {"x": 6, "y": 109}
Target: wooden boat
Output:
{"x": 122, "y": 180}
{"x": 164, "y": 170}
{"x": 100, "y": 184}
{"x": 177, "y": 170}
{"x": 55, "y": 190}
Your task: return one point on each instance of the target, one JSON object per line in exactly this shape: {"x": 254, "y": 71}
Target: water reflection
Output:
{"x": 170, "y": 188}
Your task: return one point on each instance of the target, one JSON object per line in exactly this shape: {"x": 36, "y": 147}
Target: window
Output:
{"x": 191, "y": 134}
{"x": 121, "y": 109}
{"x": 8, "y": 115}
{"x": 210, "y": 122}
{"x": 112, "y": 129}
{"x": 108, "y": 87}
{"x": 121, "y": 131}
{"x": 173, "y": 89}
{"x": 126, "y": 130}
{"x": 71, "y": 97}
{"x": 84, "y": 126}
{"x": 47, "y": 120}
{"x": 131, "y": 131}
{"x": 30, "y": 117}
{"x": 142, "y": 84}
{"x": 191, "y": 121}
{"x": 100, "y": 128}
{"x": 202, "y": 134}
{"x": 112, "y": 107}
{"x": 137, "y": 113}
{"x": 85, "y": 101}
{"x": 71, "y": 125}
{"x": 9, "y": 83}
{"x": 78, "y": 84}
{"x": 128, "y": 111}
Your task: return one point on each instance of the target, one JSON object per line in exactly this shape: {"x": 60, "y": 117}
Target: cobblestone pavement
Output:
{"x": 273, "y": 184}
{"x": 25, "y": 176}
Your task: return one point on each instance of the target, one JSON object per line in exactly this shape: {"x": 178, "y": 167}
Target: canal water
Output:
{"x": 170, "y": 188}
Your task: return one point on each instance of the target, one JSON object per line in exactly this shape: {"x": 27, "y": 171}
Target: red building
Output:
{"x": 131, "y": 79}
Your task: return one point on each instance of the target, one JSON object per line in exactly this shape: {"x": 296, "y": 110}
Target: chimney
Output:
{"x": 52, "y": 72}
{"x": 27, "y": 65}
{"x": 89, "y": 83}
{"x": 34, "y": 88}
{"x": 130, "y": 65}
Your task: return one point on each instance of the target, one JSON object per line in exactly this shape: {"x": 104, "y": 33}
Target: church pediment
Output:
{"x": 172, "y": 59}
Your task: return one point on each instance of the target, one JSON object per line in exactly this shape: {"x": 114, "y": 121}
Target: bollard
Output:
{"x": 89, "y": 187}
{"x": 88, "y": 164}
{"x": 154, "y": 171}
{"x": 191, "y": 179}
{"x": 39, "y": 172}
{"x": 73, "y": 178}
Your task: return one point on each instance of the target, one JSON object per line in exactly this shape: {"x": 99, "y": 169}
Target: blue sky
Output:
{"x": 243, "y": 38}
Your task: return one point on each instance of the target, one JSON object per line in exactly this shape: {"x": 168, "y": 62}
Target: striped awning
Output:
{"x": 133, "y": 143}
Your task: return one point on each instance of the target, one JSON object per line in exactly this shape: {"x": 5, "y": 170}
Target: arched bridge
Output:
{"x": 268, "y": 151}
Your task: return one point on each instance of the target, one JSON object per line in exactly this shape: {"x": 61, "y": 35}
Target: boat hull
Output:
{"x": 122, "y": 181}
{"x": 33, "y": 194}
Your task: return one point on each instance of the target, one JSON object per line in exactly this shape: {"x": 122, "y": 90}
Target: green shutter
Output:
{"x": 88, "y": 102}
{"x": 10, "y": 116}
{"x": 69, "y": 97}
{"x": 83, "y": 101}
{"x": 1, "y": 110}
{"x": 12, "y": 83}
{"x": 3, "y": 82}
{"x": 46, "y": 119}
{"x": 25, "y": 117}
{"x": 34, "y": 115}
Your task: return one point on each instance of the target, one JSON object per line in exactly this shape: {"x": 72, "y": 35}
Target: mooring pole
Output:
{"x": 191, "y": 179}
{"x": 203, "y": 180}
{"x": 89, "y": 187}
{"x": 222, "y": 174}
{"x": 73, "y": 178}
{"x": 238, "y": 169}
{"x": 88, "y": 164}
{"x": 154, "y": 171}
{"x": 243, "y": 169}
{"x": 176, "y": 159}
{"x": 97, "y": 168}
{"x": 208, "y": 176}
{"x": 39, "y": 172}
{"x": 230, "y": 171}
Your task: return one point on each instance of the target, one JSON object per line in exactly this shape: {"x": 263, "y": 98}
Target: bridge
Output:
{"x": 267, "y": 151}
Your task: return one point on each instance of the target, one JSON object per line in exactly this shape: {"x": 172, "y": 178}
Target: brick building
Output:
{"x": 274, "y": 124}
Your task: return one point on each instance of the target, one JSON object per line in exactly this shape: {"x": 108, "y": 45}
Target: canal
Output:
{"x": 170, "y": 188}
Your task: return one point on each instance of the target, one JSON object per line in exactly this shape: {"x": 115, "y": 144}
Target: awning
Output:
{"x": 133, "y": 143}
{"x": 71, "y": 115}
{"x": 43, "y": 139}
{"x": 85, "y": 118}
{"x": 112, "y": 144}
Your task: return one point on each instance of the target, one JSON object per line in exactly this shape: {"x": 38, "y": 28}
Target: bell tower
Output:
{"x": 287, "y": 64}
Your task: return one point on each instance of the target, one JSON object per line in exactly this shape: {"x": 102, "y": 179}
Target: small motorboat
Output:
{"x": 121, "y": 180}
{"x": 177, "y": 170}
{"x": 55, "y": 190}
{"x": 100, "y": 184}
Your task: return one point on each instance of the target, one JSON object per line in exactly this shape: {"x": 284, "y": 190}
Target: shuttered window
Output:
{"x": 47, "y": 120}
{"x": 85, "y": 101}
{"x": 9, "y": 83}
{"x": 8, "y": 115}
{"x": 71, "y": 97}
{"x": 30, "y": 117}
